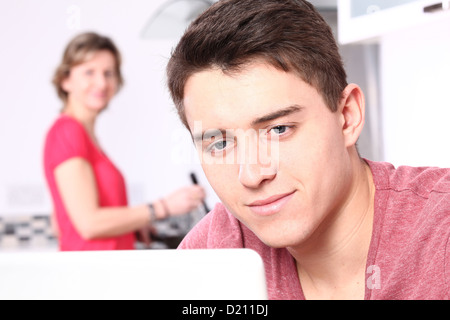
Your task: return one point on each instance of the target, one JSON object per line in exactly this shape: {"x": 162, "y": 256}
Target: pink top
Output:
{"x": 68, "y": 139}
{"x": 409, "y": 255}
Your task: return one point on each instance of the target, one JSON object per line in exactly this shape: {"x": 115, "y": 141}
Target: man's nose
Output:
{"x": 258, "y": 159}
{"x": 253, "y": 175}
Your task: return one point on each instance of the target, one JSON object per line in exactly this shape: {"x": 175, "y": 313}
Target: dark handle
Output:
{"x": 195, "y": 181}
{"x": 442, "y": 6}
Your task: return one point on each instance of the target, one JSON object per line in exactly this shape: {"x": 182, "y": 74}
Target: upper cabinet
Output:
{"x": 367, "y": 20}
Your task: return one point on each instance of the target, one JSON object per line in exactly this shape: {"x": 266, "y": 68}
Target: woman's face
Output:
{"x": 93, "y": 83}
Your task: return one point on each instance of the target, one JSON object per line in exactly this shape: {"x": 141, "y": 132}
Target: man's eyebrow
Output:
{"x": 208, "y": 134}
{"x": 277, "y": 114}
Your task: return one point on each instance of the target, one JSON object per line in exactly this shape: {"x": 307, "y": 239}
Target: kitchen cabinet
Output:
{"x": 368, "y": 20}
{"x": 413, "y": 43}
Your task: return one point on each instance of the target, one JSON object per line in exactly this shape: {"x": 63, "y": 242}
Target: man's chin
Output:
{"x": 278, "y": 242}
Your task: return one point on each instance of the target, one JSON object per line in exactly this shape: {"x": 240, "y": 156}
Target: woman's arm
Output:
{"x": 76, "y": 183}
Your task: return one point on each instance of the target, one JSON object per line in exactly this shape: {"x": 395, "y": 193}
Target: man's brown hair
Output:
{"x": 288, "y": 34}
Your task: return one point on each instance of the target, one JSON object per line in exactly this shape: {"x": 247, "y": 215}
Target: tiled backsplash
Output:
{"x": 25, "y": 232}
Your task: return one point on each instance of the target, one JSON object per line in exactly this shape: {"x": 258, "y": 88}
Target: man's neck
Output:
{"x": 333, "y": 261}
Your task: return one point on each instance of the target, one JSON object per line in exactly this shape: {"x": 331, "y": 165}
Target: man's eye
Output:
{"x": 219, "y": 146}
{"x": 279, "y": 129}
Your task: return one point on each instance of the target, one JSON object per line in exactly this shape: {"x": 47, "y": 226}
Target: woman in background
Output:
{"x": 88, "y": 191}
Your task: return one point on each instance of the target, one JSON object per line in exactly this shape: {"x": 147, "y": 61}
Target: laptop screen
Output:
{"x": 219, "y": 274}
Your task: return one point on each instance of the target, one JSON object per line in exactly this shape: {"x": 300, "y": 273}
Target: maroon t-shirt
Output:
{"x": 409, "y": 254}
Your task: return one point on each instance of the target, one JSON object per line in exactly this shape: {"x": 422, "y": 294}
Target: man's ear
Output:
{"x": 352, "y": 109}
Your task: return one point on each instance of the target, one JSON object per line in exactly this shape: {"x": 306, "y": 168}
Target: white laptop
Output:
{"x": 220, "y": 274}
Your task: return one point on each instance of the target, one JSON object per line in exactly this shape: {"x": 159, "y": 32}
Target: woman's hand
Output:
{"x": 184, "y": 200}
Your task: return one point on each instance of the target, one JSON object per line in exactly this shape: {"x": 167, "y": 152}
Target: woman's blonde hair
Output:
{"x": 78, "y": 51}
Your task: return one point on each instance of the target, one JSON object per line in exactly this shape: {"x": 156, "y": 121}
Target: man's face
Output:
{"x": 300, "y": 175}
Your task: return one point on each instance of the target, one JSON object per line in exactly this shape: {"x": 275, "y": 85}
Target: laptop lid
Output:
{"x": 219, "y": 274}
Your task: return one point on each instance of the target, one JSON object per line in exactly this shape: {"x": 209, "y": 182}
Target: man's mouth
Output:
{"x": 271, "y": 205}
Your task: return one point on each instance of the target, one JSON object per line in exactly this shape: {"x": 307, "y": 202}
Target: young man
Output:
{"x": 265, "y": 78}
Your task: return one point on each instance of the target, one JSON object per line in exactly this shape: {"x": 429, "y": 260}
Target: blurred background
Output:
{"x": 397, "y": 51}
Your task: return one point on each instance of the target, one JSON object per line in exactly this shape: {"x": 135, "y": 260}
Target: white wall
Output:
{"x": 140, "y": 130}
{"x": 415, "y": 78}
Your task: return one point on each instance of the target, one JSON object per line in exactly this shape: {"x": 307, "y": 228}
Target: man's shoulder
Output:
{"x": 420, "y": 180}
{"x": 218, "y": 229}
